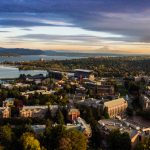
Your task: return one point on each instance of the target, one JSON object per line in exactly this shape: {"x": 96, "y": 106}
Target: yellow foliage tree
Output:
{"x": 29, "y": 142}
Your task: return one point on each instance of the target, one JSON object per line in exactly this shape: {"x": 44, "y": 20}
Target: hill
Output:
{"x": 19, "y": 51}
{"x": 24, "y": 51}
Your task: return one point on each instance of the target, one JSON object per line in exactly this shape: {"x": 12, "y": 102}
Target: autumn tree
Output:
{"x": 78, "y": 140}
{"x": 143, "y": 145}
{"x": 29, "y": 142}
{"x": 65, "y": 144}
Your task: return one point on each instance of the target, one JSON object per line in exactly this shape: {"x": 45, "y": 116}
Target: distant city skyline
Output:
{"x": 107, "y": 26}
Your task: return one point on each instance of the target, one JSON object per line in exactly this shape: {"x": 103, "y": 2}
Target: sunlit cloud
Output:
{"x": 89, "y": 25}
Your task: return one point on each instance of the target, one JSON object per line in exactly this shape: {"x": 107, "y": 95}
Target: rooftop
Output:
{"x": 114, "y": 102}
{"x": 122, "y": 125}
{"x": 9, "y": 99}
{"x": 146, "y": 98}
{"x": 39, "y": 107}
{"x": 4, "y": 108}
{"x": 84, "y": 70}
{"x": 35, "y": 107}
{"x": 81, "y": 125}
{"x": 73, "y": 110}
{"x": 55, "y": 71}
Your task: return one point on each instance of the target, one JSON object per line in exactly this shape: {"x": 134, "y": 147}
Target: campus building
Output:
{"x": 145, "y": 102}
{"x": 115, "y": 107}
{"x": 82, "y": 126}
{"x": 36, "y": 111}
{"x": 5, "y": 112}
{"x": 73, "y": 114}
{"x": 83, "y": 73}
{"x": 137, "y": 132}
{"x": 99, "y": 89}
{"x": 58, "y": 75}
{"x": 8, "y": 102}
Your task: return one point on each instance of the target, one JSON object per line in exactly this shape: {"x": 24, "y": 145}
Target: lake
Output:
{"x": 7, "y": 72}
{"x": 34, "y": 57}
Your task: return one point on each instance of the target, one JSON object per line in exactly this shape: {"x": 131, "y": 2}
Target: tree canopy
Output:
{"x": 119, "y": 141}
{"x": 29, "y": 142}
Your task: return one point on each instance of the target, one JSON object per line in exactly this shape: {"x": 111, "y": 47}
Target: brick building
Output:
{"x": 5, "y": 112}
{"x": 116, "y": 107}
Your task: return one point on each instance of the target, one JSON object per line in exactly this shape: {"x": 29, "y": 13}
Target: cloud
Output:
{"x": 31, "y": 19}
{"x": 82, "y": 39}
{"x": 4, "y": 31}
{"x": 127, "y": 18}
{"x": 72, "y": 5}
{"x": 19, "y": 23}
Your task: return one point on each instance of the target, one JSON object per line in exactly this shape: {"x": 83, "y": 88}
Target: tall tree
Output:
{"x": 29, "y": 142}
{"x": 65, "y": 144}
{"x": 143, "y": 145}
{"x": 78, "y": 140}
{"x": 105, "y": 113}
{"x": 59, "y": 117}
{"x": 6, "y": 135}
{"x": 96, "y": 135}
{"x": 52, "y": 136}
{"x": 119, "y": 141}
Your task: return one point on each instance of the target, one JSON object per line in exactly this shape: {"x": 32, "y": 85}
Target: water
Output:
{"x": 34, "y": 57}
{"x": 7, "y": 72}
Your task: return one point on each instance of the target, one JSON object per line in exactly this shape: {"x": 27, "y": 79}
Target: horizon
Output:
{"x": 99, "y": 54}
{"x": 113, "y": 26}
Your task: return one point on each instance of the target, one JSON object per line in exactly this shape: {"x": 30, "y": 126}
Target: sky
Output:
{"x": 99, "y": 26}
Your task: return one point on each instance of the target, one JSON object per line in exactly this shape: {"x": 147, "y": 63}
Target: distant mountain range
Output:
{"x": 19, "y": 51}
{"x": 23, "y": 51}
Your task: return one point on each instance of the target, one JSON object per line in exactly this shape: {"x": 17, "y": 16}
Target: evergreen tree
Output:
{"x": 96, "y": 135}
{"x": 48, "y": 114}
{"x": 6, "y": 136}
{"x": 59, "y": 117}
{"x": 53, "y": 135}
{"x": 105, "y": 113}
{"x": 118, "y": 141}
